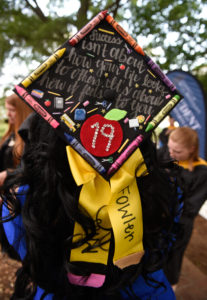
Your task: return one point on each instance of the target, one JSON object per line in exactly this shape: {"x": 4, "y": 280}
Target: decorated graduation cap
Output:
{"x": 103, "y": 95}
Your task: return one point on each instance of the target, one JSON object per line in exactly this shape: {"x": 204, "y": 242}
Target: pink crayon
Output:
{"x": 87, "y": 28}
{"x": 120, "y": 160}
{"x": 147, "y": 119}
{"x": 36, "y": 106}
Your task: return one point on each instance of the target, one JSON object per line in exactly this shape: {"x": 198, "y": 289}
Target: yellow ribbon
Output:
{"x": 113, "y": 205}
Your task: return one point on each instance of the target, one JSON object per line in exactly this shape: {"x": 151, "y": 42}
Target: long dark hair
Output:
{"x": 51, "y": 208}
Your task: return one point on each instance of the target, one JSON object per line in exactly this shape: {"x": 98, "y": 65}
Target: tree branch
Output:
{"x": 114, "y": 7}
{"x": 37, "y": 10}
{"x": 82, "y": 12}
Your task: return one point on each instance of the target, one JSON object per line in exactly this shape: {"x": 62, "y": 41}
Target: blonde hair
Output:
{"x": 22, "y": 112}
{"x": 188, "y": 138}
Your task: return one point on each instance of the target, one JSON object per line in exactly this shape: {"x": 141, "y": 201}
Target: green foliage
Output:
{"x": 3, "y": 124}
{"x": 3, "y": 128}
{"x": 201, "y": 73}
{"x": 169, "y": 20}
{"x": 30, "y": 31}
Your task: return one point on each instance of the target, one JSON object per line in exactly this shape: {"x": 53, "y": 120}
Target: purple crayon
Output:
{"x": 127, "y": 152}
{"x": 160, "y": 73}
{"x": 87, "y": 28}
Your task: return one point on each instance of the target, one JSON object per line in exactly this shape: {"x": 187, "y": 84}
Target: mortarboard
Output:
{"x": 103, "y": 95}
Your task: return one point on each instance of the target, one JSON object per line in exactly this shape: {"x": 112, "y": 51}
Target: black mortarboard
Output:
{"x": 101, "y": 93}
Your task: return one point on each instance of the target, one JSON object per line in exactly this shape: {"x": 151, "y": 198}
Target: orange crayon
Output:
{"x": 125, "y": 35}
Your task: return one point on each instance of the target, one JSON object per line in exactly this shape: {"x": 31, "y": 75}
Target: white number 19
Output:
{"x": 110, "y": 135}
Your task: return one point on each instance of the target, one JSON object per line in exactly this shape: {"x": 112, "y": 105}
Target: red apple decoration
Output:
{"x": 47, "y": 103}
{"x": 101, "y": 137}
{"x": 122, "y": 67}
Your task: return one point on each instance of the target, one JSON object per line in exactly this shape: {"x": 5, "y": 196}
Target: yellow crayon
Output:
{"x": 75, "y": 107}
{"x": 88, "y": 112}
{"x": 68, "y": 97}
{"x": 163, "y": 112}
{"x": 151, "y": 73}
{"x": 106, "y": 31}
{"x": 124, "y": 144}
{"x": 56, "y": 94}
{"x": 43, "y": 67}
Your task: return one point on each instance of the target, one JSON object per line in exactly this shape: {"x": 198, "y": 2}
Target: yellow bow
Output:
{"x": 113, "y": 205}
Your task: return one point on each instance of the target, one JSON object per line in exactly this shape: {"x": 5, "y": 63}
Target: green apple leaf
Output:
{"x": 115, "y": 114}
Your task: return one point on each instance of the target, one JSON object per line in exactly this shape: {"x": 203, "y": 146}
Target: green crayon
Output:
{"x": 164, "y": 111}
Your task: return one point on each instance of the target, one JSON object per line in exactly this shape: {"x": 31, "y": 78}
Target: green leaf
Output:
{"x": 115, "y": 114}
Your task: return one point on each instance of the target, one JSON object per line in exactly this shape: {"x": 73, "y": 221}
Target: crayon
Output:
{"x": 69, "y": 102}
{"x": 160, "y": 73}
{"x": 89, "y": 54}
{"x": 151, "y": 73}
{"x": 125, "y": 35}
{"x": 122, "y": 147}
{"x": 68, "y": 98}
{"x": 145, "y": 122}
{"x": 163, "y": 112}
{"x": 67, "y": 109}
{"x": 109, "y": 106}
{"x": 56, "y": 94}
{"x": 106, "y": 31}
{"x": 75, "y": 107}
{"x": 36, "y": 106}
{"x": 127, "y": 152}
{"x": 43, "y": 67}
{"x": 87, "y": 28}
{"x": 88, "y": 112}
{"x": 84, "y": 153}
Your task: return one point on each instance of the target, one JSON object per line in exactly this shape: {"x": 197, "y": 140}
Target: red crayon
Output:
{"x": 87, "y": 28}
{"x": 125, "y": 35}
{"x": 36, "y": 106}
{"x": 147, "y": 119}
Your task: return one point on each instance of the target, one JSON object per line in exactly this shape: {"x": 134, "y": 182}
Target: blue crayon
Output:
{"x": 84, "y": 153}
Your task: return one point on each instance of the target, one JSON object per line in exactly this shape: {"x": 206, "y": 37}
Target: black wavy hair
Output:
{"x": 51, "y": 208}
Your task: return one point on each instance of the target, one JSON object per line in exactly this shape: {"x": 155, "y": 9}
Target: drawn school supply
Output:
{"x": 101, "y": 93}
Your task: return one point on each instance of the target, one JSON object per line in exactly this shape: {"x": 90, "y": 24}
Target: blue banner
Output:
{"x": 191, "y": 111}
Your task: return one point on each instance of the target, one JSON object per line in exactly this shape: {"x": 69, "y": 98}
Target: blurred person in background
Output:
{"x": 183, "y": 146}
{"x": 11, "y": 144}
{"x": 11, "y": 148}
{"x": 164, "y": 134}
